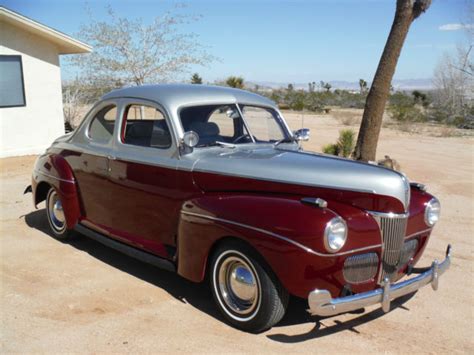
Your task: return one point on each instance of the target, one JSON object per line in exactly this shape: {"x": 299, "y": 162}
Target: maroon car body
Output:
{"x": 180, "y": 213}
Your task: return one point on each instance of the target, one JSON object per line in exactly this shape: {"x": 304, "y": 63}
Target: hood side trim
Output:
{"x": 281, "y": 237}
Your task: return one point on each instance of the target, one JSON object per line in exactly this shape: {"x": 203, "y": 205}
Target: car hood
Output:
{"x": 298, "y": 167}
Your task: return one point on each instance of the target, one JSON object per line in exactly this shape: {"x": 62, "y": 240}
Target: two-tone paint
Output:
{"x": 181, "y": 206}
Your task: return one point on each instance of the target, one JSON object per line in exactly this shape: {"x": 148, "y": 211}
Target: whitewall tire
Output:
{"x": 246, "y": 292}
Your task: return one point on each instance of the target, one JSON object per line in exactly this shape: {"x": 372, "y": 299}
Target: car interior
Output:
{"x": 146, "y": 127}
{"x": 208, "y": 122}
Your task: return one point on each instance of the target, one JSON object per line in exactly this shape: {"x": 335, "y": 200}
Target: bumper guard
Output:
{"x": 321, "y": 303}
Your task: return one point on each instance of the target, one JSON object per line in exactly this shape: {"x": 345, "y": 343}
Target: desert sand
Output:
{"x": 83, "y": 297}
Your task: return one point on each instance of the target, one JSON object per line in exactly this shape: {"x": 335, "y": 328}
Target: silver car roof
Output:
{"x": 174, "y": 96}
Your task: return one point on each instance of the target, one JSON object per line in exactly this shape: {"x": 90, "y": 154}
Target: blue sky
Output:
{"x": 284, "y": 41}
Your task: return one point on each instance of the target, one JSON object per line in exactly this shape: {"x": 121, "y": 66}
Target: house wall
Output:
{"x": 32, "y": 128}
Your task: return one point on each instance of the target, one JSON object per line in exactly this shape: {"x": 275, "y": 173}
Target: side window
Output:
{"x": 101, "y": 128}
{"x": 221, "y": 119}
{"x": 145, "y": 126}
{"x": 262, "y": 123}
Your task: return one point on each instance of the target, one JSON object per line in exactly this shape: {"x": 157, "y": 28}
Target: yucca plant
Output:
{"x": 346, "y": 142}
{"x": 344, "y": 145}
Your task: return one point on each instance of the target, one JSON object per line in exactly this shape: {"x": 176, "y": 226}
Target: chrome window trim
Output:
{"x": 281, "y": 237}
{"x": 127, "y": 147}
{"x": 279, "y": 118}
{"x": 244, "y": 120}
{"x": 171, "y": 119}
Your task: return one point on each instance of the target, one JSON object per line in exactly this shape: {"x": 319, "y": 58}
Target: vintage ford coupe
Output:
{"x": 211, "y": 183}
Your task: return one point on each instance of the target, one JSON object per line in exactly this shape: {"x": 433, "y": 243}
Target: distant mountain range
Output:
{"x": 408, "y": 84}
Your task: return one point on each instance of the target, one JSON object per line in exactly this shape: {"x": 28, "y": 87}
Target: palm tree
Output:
{"x": 406, "y": 12}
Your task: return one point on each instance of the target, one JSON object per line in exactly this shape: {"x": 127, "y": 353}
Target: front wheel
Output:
{"x": 55, "y": 215}
{"x": 250, "y": 297}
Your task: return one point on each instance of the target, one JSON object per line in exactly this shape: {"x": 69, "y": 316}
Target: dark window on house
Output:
{"x": 12, "y": 90}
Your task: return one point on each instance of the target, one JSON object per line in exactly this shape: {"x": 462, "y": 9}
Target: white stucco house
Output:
{"x": 31, "y": 110}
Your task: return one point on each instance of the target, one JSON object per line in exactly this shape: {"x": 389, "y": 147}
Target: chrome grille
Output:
{"x": 393, "y": 229}
{"x": 361, "y": 268}
{"x": 408, "y": 251}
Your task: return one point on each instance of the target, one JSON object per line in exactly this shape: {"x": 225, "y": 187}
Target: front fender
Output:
{"x": 285, "y": 232}
{"x": 54, "y": 170}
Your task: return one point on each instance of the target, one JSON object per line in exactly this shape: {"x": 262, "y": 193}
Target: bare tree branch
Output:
{"x": 134, "y": 53}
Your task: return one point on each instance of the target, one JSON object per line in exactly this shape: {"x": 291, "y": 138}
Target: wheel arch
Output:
{"x": 53, "y": 171}
{"x": 240, "y": 242}
{"x": 41, "y": 192}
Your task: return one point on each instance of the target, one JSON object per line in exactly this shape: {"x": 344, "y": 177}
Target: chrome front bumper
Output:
{"x": 321, "y": 303}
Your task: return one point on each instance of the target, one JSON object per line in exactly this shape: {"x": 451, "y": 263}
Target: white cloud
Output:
{"x": 455, "y": 27}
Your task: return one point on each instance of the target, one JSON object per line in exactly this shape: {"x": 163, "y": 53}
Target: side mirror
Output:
{"x": 190, "y": 139}
{"x": 302, "y": 134}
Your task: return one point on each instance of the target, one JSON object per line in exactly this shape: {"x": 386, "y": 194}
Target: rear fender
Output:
{"x": 53, "y": 170}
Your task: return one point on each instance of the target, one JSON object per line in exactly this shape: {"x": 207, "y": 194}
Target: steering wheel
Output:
{"x": 238, "y": 139}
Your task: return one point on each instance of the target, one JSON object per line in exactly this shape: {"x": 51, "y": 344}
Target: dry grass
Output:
{"x": 347, "y": 117}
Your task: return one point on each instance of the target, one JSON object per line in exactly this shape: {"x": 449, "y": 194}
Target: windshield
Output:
{"x": 224, "y": 124}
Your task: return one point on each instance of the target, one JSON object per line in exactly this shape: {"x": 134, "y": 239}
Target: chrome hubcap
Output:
{"x": 56, "y": 213}
{"x": 238, "y": 285}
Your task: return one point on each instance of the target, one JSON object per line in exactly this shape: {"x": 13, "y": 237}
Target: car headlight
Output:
{"x": 335, "y": 234}
{"x": 432, "y": 211}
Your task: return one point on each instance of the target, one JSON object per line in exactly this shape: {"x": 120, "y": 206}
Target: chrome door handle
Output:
{"x": 111, "y": 157}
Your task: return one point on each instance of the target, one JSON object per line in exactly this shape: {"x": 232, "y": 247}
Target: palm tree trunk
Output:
{"x": 406, "y": 12}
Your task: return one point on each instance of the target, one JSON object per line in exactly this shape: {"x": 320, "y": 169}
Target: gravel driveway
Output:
{"x": 83, "y": 297}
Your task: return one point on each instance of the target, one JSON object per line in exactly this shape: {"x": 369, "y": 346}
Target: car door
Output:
{"x": 145, "y": 200}
{"x": 91, "y": 165}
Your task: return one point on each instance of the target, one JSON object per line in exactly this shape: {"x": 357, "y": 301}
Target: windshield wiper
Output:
{"x": 220, "y": 144}
{"x": 284, "y": 140}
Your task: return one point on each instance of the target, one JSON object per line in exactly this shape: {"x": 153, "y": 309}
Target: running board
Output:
{"x": 126, "y": 249}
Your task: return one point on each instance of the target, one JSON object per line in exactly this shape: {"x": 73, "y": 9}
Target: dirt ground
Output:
{"x": 83, "y": 297}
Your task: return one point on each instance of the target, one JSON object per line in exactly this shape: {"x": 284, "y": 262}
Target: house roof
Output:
{"x": 65, "y": 43}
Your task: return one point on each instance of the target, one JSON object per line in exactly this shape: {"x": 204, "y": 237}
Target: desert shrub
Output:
{"x": 407, "y": 113}
{"x": 346, "y": 142}
{"x": 316, "y": 101}
{"x": 344, "y": 145}
{"x": 313, "y": 102}
{"x": 403, "y": 108}
{"x": 235, "y": 82}
{"x": 332, "y": 149}
{"x": 421, "y": 98}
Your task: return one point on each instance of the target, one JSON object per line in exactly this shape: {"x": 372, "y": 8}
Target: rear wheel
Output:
{"x": 55, "y": 215}
{"x": 250, "y": 297}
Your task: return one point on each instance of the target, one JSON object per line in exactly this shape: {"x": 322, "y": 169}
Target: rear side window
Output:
{"x": 101, "y": 128}
{"x": 145, "y": 126}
